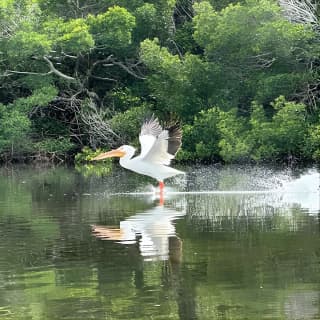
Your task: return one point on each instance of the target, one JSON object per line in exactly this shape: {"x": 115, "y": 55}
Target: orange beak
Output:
{"x": 110, "y": 154}
{"x": 107, "y": 233}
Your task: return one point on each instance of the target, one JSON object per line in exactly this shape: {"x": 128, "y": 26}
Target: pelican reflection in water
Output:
{"x": 153, "y": 230}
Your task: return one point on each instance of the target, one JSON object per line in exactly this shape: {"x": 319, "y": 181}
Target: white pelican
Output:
{"x": 158, "y": 148}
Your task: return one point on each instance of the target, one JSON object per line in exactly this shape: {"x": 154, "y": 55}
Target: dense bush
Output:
{"x": 73, "y": 76}
{"x": 285, "y": 135}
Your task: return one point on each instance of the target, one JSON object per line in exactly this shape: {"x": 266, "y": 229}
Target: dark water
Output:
{"x": 74, "y": 246}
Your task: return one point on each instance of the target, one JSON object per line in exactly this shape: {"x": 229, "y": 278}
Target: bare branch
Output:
{"x": 300, "y": 11}
{"x": 262, "y": 61}
{"x": 103, "y": 78}
{"x": 12, "y": 22}
{"x": 8, "y": 73}
{"x": 177, "y": 48}
{"x": 98, "y": 130}
{"x": 185, "y": 9}
{"x": 111, "y": 62}
{"x": 11, "y": 72}
{"x": 128, "y": 69}
{"x": 68, "y": 55}
{"x": 57, "y": 72}
{"x": 99, "y": 62}
{"x": 102, "y": 61}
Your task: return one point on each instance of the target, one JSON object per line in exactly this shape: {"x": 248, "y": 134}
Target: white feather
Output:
{"x": 146, "y": 142}
{"x": 158, "y": 152}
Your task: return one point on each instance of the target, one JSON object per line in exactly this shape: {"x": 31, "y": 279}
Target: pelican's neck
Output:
{"x": 127, "y": 157}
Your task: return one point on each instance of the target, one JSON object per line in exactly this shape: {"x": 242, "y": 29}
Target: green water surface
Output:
{"x": 75, "y": 246}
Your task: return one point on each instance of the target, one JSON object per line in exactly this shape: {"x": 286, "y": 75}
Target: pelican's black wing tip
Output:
{"x": 175, "y": 137}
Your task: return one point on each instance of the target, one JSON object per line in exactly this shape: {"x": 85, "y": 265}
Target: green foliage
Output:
{"x": 249, "y": 53}
{"x": 200, "y": 141}
{"x": 146, "y": 17}
{"x": 126, "y": 59}
{"x": 87, "y": 154}
{"x": 184, "y": 39}
{"x": 124, "y": 99}
{"x": 162, "y": 24}
{"x": 18, "y": 15}
{"x": 220, "y": 4}
{"x": 158, "y": 58}
{"x": 40, "y": 97}
{"x": 15, "y": 126}
{"x": 69, "y": 37}
{"x": 239, "y": 32}
{"x": 283, "y": 135}
{"x": 127, "y": 124}
{"x": 290, "y": 126}
{"x": 249, "y": 42}
{"x": 312, "y": 145}
{"x": 30, "y": 43}
{"x": 179, "y": 86}
{"x": 59, "y": 146}
{"x": 233, "y": 130}
{"x": 280, "y": 137}
{"x": 14, "y": 130}
{"x": 269, "y": 87}
{"x": 112, "y": 28}
{"x": 260, "y": 135}
{"x": 33, "y": 82}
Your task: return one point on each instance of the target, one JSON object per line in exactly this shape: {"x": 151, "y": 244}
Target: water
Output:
{"x": 229, "y": 243}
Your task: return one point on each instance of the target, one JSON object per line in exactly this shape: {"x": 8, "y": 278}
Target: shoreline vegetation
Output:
{"x": 242, "y": 78}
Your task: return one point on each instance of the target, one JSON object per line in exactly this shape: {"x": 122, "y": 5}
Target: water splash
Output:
{"x": 304, "y": 192}
{"x": 279, "y": 189}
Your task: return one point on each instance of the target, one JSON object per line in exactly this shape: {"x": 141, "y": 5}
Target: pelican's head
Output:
{"x": 121, "y": 152}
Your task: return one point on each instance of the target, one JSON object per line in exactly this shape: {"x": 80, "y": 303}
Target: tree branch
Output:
{"x": 127, "y": 69}
{"x": 68, "y": 55}
{"x": 8, "y": 73}
{"x": 11, "y": 72}
{"x": 57, "y": 72}
{"x": 99, "y": 131}
{"x": 96, "y": 63}
{"x": 103, "y": 78}
{"x": 300, "y": 11}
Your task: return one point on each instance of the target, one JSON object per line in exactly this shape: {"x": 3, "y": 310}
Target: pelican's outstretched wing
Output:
{"x": 150, "y": 131}
{"x": 158, "y": 145}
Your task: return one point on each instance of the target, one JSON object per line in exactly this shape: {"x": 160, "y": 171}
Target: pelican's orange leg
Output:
{"x": 161, "y": 188}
